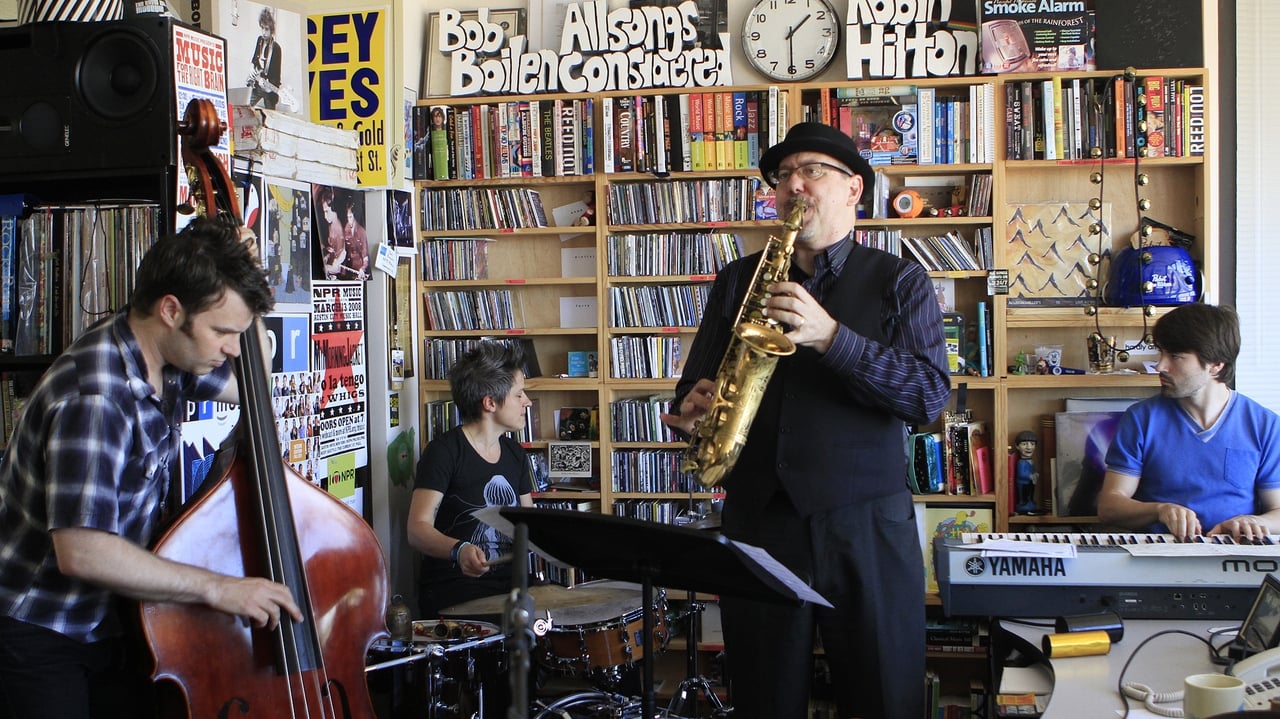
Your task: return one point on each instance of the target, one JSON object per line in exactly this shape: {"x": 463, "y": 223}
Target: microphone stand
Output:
{"x": 516, "y": 626}
{"x": 686, "y": 693}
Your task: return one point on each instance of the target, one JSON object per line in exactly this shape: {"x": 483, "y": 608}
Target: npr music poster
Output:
{"x": 338, "y": 359}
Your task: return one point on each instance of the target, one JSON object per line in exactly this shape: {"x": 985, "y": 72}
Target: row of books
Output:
{"x": 662, "y": 511}
{"x": 637, "y": 420}
{"x": 880, "y": 239}
{"x": 482, "y": 208}
{"x": 442, "y": 415}
{"x": 455, "y": 258}
{"x": 908, "y": 125}
{"x": 1064, "y": 119}
{"x": 657, "y": 305}
{"x": 519, "y": 138}
{"x": 63, "y": 268}
{"x": 543, "y": 571}
{"x": 15, "y": 388}
{"x": 650, "y": 470}
{"x": 439, "y": 354}
{"x": 957, "y": 129}
{"x": 693, "y": 201}
{"x": 691, "y": 131}
{"x": 951, "y": 252}
{"x": 942, "y": 705}
{"x": 964, "y": 635}
{"x": 644, "y": 356}
{"x": 976, "y": 356}
{"x": 472, "y": 310}
{"x": 978, "y": 196}
{"x": 956, "y": 460}
{"x": 671, "y": 253}
{"x": 1173, "y": 113}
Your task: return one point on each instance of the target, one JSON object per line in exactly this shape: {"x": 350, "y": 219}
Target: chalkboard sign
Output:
{"x": 1149, "y": 34}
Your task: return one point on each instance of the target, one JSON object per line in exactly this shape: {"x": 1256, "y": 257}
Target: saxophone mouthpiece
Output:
{"x": 795, "y": 218}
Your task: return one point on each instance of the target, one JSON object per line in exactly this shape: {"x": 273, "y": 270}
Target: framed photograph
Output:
{"x": 569, "y": 459}
{"x": 435, "y": 67}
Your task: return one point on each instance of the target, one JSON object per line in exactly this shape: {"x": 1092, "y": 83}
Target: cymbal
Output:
{"x": 711, "y": 521}
{"x": 567, "y": 606}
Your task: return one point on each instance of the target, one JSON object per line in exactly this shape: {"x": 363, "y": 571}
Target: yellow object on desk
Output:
{"x": 1076, "y": 644}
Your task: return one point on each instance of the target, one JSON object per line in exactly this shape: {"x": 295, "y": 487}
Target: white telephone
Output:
{"x": 1261, "y": 675}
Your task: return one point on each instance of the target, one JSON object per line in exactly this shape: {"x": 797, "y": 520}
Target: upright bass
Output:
{"x": 255, "y": 516}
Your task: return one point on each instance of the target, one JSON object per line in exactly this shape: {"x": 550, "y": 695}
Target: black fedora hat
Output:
{"x": 817, "y": 137}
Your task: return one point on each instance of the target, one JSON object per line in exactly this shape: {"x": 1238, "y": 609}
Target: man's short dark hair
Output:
{"x": 489, "y": 370}
{"x": 198, "y": 265}
{"x": 1210, "y": 331}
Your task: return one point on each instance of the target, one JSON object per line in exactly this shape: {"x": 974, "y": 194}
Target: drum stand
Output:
{"x": 694, "y": 683}
{"x": 634, "y": 550}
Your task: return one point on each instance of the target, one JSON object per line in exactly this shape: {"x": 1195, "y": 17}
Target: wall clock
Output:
{"x": 791, "y": 39}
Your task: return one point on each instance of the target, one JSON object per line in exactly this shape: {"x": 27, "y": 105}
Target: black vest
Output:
{"x": 813, "y": 437}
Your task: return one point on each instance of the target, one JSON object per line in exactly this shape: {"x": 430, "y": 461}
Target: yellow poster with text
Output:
{"x": 342, "y": 475}
{"x": 349, "y": 79}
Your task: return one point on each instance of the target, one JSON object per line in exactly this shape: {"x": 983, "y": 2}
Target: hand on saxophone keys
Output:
{"x": 692, "y": 408}
{"x": 792, "y": 305}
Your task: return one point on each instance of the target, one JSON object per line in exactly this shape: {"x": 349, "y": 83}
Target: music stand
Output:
{"x": 648, "y": 553}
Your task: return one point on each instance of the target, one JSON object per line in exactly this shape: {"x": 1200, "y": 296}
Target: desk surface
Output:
{"x": 1087, "y": 686}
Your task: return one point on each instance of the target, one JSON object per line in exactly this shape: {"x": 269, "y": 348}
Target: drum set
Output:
{"x": 590, "y": 637}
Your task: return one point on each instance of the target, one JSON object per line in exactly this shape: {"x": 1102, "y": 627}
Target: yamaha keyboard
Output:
{"x": 1138, "y": 576}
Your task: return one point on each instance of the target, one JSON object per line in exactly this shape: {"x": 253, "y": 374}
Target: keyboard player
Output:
{"x": 1199, "y": 458}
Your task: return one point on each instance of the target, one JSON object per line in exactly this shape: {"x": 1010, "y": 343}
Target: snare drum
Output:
{"x": 602, "y": 638}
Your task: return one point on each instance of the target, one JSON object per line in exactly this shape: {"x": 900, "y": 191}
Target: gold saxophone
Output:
{"x": 748, "y": 363}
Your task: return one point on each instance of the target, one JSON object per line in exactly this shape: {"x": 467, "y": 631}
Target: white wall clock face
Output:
{"x": 791, "y": 39}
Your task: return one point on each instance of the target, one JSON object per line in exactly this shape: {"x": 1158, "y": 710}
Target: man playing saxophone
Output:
{"x": 821, "y": 481}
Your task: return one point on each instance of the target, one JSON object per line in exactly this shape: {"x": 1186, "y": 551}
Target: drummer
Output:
{"x": 470, "y": 467}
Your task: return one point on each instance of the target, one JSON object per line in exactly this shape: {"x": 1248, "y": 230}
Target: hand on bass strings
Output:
{"x": 811, "y": 326}
{"x": 692, "y": 407}
{"x": 257, "y": 599}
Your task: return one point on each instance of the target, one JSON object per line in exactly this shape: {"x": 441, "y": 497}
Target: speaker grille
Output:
{"x": 118, "y": 74}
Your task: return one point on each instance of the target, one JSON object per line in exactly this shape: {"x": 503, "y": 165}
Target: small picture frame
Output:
{"x": 1261, "y": 628}
{"x": 569, "y": 459}
{"x": 435, "y": 66}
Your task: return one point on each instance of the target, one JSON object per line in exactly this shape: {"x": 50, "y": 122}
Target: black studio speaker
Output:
{"x": 85, "y": 97}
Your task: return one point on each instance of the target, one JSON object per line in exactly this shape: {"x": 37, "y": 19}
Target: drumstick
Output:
{"x": 500, "y": 559}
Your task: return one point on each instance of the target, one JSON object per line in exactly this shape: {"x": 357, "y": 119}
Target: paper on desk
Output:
{"x": 1018, "y": 548}
{"x": 1034, "y": 679}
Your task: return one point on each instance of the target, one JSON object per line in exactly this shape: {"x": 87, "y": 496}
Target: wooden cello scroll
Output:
{"x": 255, "y": 516}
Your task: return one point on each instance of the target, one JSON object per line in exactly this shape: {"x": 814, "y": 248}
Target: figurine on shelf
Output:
{"x": 588, "y": 216}
{"x": 1025, "y": 474}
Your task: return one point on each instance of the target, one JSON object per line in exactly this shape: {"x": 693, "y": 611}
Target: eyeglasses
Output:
{"x": 807, "y": 171}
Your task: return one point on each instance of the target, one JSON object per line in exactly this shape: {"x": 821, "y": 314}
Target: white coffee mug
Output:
{"x": 1205, "y": 695}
